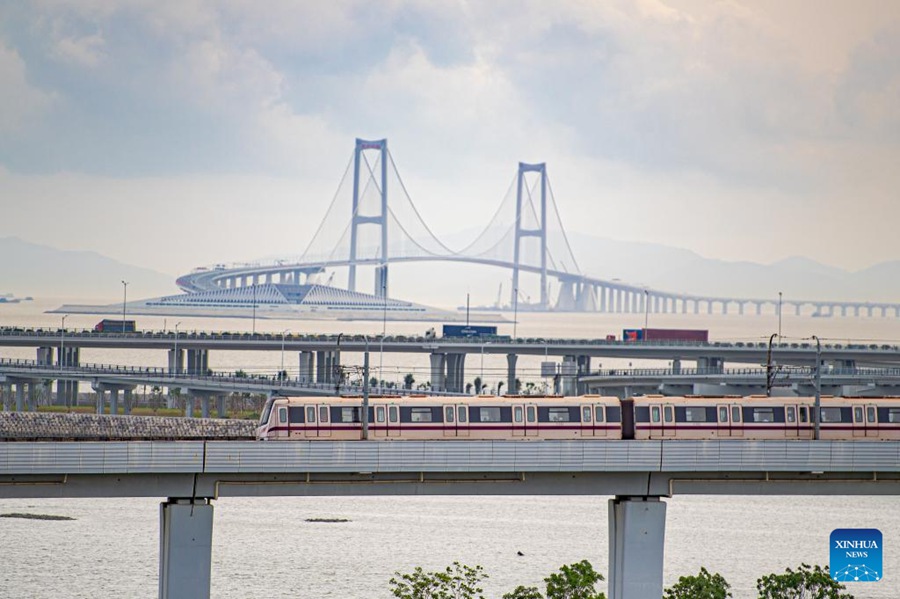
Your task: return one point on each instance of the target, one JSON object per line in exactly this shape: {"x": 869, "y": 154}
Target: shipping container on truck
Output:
{"x": 695, "y": 335}
{"x": 461, "y": 330}
{"x": 108, "y": 325}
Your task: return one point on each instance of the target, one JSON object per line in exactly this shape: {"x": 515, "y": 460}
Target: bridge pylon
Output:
{"x": 381, "y": 220}
{"x": 521, "y": 232}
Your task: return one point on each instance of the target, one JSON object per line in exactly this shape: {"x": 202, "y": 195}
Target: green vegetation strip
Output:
{"x": 35, "y": 516}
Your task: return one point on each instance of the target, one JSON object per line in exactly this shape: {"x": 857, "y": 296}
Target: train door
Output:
{"x": 791, "y": 421}
{"x": 859, "y": 421}
{"x": 662, "y": 421}
{"x": 518, "y": 423}
{"x": 462, "y": 421}
{"x": 723, "y": 421}
{"x": 599, "y": 420}
{"x": 312, "y": 422}
{"x": 450, "y": 421}
{"x": 737, "y": 421}
{"x": 380, "y": 425}
{"x": 324, "y": 422}
{"x": 871, "y": 420}
{"x": 803, "y": 420}
{"x": 393, "y": 427}
{"x": 587, "y": 420}
{"x": 531, "y": 423}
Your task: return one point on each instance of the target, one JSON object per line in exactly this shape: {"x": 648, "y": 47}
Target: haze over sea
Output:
{"x": 265, "y": 547}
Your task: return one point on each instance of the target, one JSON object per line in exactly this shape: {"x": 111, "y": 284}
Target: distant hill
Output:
{"x": 42, "y": 271}
{"x": 673, "y": 269}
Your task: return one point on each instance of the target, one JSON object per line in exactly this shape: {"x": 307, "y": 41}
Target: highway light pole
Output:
{"x": 281, "y": 373}
{"x": 646, "y": 309}
{"x": 818, "y": 385}
{"x": 175, "y": 359}
{"x": 779, "y": 315}
{"x": 124, "y": 298}
{"x": 515, "y": 312}
{"x": 364, "y": 417}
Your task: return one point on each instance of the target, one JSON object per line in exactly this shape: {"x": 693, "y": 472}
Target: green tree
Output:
{"x": 455, "y": 582}
{"x": 408, "y": 381}
{"x": 575, "y": 581}
{"x": 702, "y": 586}
{"x": 479, "y": 385}
{"x": 521, "y": 592}
{"x": 806, "y": 582}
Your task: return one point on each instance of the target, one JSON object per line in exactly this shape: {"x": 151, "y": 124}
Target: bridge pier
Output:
{"x": 511, "y": 360}
{"x": 67, "y": 391}
{"x": 637, "y": 530}
{"x": 176, "y": 361}
{"x": 307, "y": 361}
{"x": 198, "y": 361}
{"x": 185, "y": 548}
{"x": 20, "y": 397}
{"x": 438, "y": 368}
{"x": 221, "y": 407}
{"x": 456, "y": 372}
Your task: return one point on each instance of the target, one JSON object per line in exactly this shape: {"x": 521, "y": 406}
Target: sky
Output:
{"x": 173, "y": 134}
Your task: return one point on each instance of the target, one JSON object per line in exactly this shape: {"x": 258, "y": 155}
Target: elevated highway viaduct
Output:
{"x": 638, "y": 476}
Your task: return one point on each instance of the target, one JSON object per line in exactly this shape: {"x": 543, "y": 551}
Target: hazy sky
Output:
{"x": 171, "y": 134}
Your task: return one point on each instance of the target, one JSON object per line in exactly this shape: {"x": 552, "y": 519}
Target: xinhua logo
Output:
{"x": 856, "y": 555}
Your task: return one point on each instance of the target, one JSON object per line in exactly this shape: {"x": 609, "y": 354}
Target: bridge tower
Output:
{"x": 381, "y": 220}
{"x": 540, "y": 232}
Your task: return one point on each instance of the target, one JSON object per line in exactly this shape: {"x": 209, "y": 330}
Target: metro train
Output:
{"x": 534, "y": 418}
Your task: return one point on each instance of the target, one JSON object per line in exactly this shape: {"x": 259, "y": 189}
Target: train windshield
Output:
{"x": 267, "y": 410}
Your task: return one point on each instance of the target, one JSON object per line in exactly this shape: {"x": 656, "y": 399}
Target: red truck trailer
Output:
{"x": 696, "y": 335}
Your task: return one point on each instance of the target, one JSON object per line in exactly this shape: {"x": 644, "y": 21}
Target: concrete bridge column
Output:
{"x": 5, "y": 394}
{"x": 584, "y": 368}
{"x": 127, "y": 400}
{"x": 307, "y": 366}
{"x": 114, "y": 402}
{"x": 511, "y": 360}
{"x": 586, "y": 301}
{"x": 321, "y": 376}
{"x": 176, "y": 361}
{"x": 456, "y": 375}
{"x": 602, "y": 292}
{"x": 185, "y": 548}
{"x": 45, "y": 356}
{"x": 101, "y": 400}
{"x": 221, "y": 408}
{"x": 637, "y": 531}
{"x": 20, "y": 396}
{"x": 204, "y": 406}
{"x": 197, "y": 361}
{"x": 188, "y": 405}
{"x": 438, "y": 368}
{"x": 565, "y": 301}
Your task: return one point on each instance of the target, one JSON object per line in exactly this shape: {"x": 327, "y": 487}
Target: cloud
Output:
{"x": 20, "y": 102}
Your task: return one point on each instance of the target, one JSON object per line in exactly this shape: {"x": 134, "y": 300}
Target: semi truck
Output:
{"x": 109, "y": 325}
{"x": 695, "y": 335}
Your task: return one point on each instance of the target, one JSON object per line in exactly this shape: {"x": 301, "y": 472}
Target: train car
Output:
{"x": 520, "y": 417}
{"x": 761, "y": 417}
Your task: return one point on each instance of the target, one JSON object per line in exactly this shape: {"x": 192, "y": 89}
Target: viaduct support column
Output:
{"x": 101, "y": 400}
{"x": 204, "y": 406}
{"x": 220, "y": 406}
{"x": 6, "y": 390}
{"x": 185, "y": 549}
{"x": 637, "y": 529}
{"x": 20, "y": 396}
{"x": 114, "y": 402}
{"x": 511, "y": 360}
{"x": 438, "y": 368}
{"x": 307, "y": 367}
{"x": 456, "y": 376}
{"x": 127, "y": 400}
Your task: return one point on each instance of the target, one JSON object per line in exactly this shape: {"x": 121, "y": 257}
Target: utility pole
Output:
{"x": 818, "y": 384}
{"x": 365, "y": 402}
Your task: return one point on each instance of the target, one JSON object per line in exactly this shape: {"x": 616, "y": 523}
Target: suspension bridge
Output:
{"x": 372, "y": 223}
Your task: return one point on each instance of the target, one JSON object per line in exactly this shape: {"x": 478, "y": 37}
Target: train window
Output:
{"x": 804, "y": 414}
{"x": 870, "y": 414}
{"x": 763, "y": 415}
{"x": 489, "y": 414}
{"x": 349, "y": 415}
{"x": 695, "y": 414}
{"x": 723, "y": 414}
{"x": 791, "y": 414}
{"x": 282, "y": 415}
{"x": 857, "y": 414}
{"x": 461, "y": 412}
{"x": 654, "y": 413}
{"x": 295, "y": 414}
{"x": 531, "y": 413}
{"x": 586, "y": 414}
{"x": 392, "y": 413}
{"x": 310, "y": 414}
{"x": 517, "y": 413}
{"x": 668, "y": 413}
{"x": 830, "y": 415}
{"x": 323, "y": 414}
{"x": 379, "y": 414}
{"x": 420, "y": 415}
{"x": 448, "y": 413}
{"x": 598, "y": 413}
{"x": 267, "y": 411}
{"x": 558, "y": 415}
{"x": 735, "y": 414}
{"x": 893, "y": 414}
